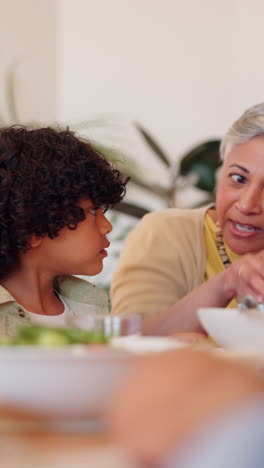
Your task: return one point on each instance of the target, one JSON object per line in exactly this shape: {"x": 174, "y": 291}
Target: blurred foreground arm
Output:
{"x": 172, "y": 395}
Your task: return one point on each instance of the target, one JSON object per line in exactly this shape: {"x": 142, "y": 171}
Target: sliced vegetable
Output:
{"x": 46, "y": 336}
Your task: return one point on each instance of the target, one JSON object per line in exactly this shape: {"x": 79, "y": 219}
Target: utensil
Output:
{"x": 249, "y": 305}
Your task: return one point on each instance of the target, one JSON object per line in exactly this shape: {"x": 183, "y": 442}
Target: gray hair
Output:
{"x": 249, "y": 125}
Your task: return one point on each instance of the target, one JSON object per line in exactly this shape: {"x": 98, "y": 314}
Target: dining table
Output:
{"x": 27, "y": 442}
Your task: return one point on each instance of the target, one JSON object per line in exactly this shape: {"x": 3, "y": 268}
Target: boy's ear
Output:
{"x": 35, "y": 241}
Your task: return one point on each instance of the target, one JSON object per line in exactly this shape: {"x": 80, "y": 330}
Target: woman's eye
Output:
{"x": 238, "y": 178}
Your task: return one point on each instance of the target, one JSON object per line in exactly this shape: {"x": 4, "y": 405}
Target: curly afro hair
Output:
{"x": 43, "y": 174}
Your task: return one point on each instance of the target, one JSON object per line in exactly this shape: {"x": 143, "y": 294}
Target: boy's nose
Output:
{"x": 105, "y": 225}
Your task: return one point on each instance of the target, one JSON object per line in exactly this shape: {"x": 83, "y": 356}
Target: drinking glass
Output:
{"x": 110, "y": 326}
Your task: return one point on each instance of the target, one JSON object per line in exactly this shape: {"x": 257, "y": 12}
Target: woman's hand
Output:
{"x": 246, "y": 276}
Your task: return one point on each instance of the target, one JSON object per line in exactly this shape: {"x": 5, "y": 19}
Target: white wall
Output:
{"x": 162, "y": 62}
{"x": 184, "y": 69}
{"x": 247, "y": 72}
{"x": 28, "y": 41}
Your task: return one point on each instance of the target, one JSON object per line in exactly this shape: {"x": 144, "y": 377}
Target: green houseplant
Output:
{"x": 197, "y": 168}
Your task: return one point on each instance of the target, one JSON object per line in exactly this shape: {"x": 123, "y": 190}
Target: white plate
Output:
{"x": 146, "y": 344}
{"x": 231, "y": 328}
{"x": 68, "y": 382}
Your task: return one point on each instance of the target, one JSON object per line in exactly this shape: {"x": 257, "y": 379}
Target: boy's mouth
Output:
{"x": 104, "y": 252}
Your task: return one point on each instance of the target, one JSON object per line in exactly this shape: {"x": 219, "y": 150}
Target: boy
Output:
{"x": 54, "y": 191}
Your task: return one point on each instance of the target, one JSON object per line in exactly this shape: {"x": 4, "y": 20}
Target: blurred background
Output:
{"x": 153, "y": 83}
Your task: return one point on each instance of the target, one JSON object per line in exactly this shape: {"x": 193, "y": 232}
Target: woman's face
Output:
{"x": 240, "y": 197}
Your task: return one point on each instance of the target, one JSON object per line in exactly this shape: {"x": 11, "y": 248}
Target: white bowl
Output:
{"x": 68, "y": 382}
{"x": 231, "y": 328}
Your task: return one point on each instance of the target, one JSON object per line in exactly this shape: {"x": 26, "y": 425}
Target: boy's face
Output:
{"x": 82, "y": 250}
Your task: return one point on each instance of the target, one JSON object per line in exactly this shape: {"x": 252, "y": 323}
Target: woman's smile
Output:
{"x": 243, "y": 230}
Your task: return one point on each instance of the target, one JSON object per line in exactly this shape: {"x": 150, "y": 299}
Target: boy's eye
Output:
{"x": 92, "y": 210}
{"x": 238, "y": 178}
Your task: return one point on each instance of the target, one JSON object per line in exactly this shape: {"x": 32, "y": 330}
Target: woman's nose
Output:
{"x": 250, "y": 201}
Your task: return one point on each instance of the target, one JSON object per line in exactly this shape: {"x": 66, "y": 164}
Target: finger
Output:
{"x": 255, "y": 290}
{"x": 250, "y": 283}
{"x": 254, "y": 263}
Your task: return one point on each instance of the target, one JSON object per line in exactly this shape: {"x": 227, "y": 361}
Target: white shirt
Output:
{"x": 62, "y": 320}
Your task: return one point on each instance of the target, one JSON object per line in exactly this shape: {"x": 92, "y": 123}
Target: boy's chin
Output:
{"x": 93, "y": 272}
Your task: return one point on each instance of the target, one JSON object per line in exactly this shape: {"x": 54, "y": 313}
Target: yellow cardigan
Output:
{"x": 163, "y": 259}
{"x": 214, "y": 263}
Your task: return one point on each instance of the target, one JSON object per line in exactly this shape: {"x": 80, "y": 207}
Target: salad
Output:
{"x": 47, "y": 336}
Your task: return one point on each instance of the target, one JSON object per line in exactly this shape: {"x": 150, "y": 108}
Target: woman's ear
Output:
{"x": 35, "y": 241}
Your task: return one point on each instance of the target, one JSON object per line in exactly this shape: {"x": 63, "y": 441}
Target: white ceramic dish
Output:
{"x": 146, "y": 344}
{"x": 233, "y": 329}
{"x": 68, "y": 382}
{"x": 71, "y": 381}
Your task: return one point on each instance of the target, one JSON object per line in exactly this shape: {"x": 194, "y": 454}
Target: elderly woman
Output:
{"x": 176, "y": 260}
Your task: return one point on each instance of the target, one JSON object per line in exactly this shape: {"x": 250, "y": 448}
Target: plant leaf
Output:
{"x": 10, "y": 93}
{"x": 125, "y": 164}
{"x": 152, "y": 143}
{"x": 207, "y": 153}
{"x": 96, "y": 122}
{"x": 202, "y": 160}
{"x": 206, "y": 176}
{"x": 111, "y": 153}
{"x": 129, "y": 168}
{"x": 130, "y": 209}
{"x": 155, "y": 189}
